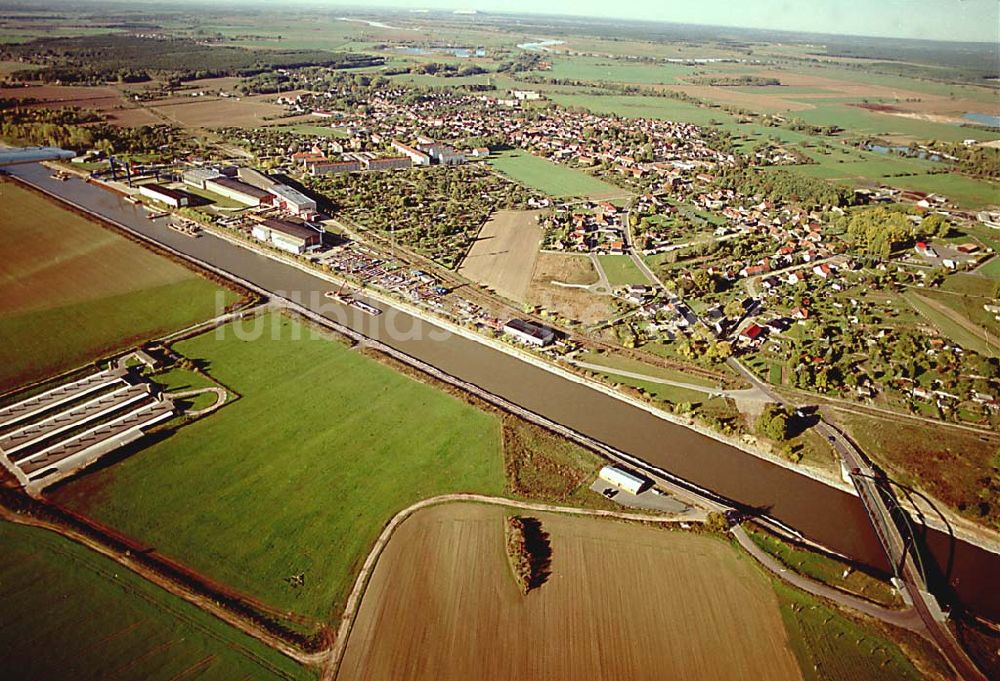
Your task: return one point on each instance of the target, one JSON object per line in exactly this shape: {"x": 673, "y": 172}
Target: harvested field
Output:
{"x": 622, "y": 602}
{"x": 72, "y": 290}
{"x": 569, "y": 302}
{"x": 216, "y": 112}
{"x": 503, "y": 255}
{"x": 103, "y": 99}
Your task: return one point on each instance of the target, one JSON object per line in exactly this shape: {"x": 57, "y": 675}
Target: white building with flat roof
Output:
{"x": 622, "y": 479}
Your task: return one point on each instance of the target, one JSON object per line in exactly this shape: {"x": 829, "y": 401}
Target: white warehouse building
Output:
{"x": 622, "y": 479}
{"x": 292, "y": 200}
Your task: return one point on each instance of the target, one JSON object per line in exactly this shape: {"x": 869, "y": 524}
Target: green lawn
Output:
{"x": 621, "y": 271}
{"x": 554, "y": 179}
{"x": 635, "y": 366}
{"x": 69, "y": 613}
{"x": 298, "y": 476}
{"x": 968, "y": 192}
{"x": 823, "y": 569}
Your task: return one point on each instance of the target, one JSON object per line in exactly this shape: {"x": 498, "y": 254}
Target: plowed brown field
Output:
{"x": 503, "y": 256}
{"x": 623, "y": 602}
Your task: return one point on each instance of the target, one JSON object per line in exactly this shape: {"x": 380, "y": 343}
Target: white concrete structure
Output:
{"x": 196, "y": 177}
{"x": 418, "y": 157}
{"x": 622, "y": 479}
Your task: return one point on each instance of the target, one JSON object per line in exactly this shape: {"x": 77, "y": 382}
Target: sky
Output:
{"x": 962, "y": 20}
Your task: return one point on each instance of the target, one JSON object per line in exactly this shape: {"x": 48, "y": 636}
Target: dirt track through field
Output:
{"x": 503, "y": 256}
{"x": 623, "y": 602}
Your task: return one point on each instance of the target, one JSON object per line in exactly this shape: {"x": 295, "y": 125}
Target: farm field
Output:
{"x": 103, "y": 99}
{"x": 616, "y": 71}
{"x": 442, "y": 604}
{"x": 503, "y": 255}
{"x": 208, "y": 112}
{"x": 640, "y": 106}
{"x": 621, "y": 270}
{"x": 72, "y": 290}
{"x": 68, "y": 612}
{"x": 298, "y": 476}
{"x": 569, "y": 302}
{"x": 552, "y": 178}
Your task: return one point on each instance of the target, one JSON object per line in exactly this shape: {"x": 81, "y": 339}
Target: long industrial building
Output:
{"x": 54, "y": 434}
{"x": 164, "y": 195}
{"x": 238, "y": 191}
{"x": 288, "y": 236}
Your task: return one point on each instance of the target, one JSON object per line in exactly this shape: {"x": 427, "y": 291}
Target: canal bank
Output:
{"x": 822, "y": 513}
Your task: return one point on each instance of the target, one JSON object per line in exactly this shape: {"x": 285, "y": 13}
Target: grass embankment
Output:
{"x": 826, "y": 569}
{"x": 954, "y": 466}
{"x": 72, "y": 290}
{"x": 542, "y": 466}
{"x": 554, "y": 179}
{"x": 281, "y": 494}
{"x": 70, "y": 613}
{"x": 829, "y": 645}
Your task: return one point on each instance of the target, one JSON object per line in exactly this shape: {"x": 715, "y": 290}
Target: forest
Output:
{"x": 105, "y": 58}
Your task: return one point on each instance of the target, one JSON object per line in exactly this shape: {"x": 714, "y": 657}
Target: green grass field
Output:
{"x": 824, "y": 569}
{"x": 72, "y": 290}
{"x": 616, "y": 71}
{"x": 635, "y": 366}
{"x": 640, "y": 106}
{"x": 831, "y": 646}
{"x": 554, "y": 179}
{"x": 858, "y": 120}
{"x": 621, "y": 271}
{"x": 967, "y": 192}
{"x": 67, "y": 612}
{"x": 299, "y": 475}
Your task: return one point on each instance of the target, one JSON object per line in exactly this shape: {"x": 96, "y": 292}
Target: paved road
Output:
{"x": 905, "y": 618}
{"x": 874, "y": 498}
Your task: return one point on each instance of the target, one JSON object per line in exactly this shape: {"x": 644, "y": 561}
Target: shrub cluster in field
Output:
{"x": 529, "y": 551}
